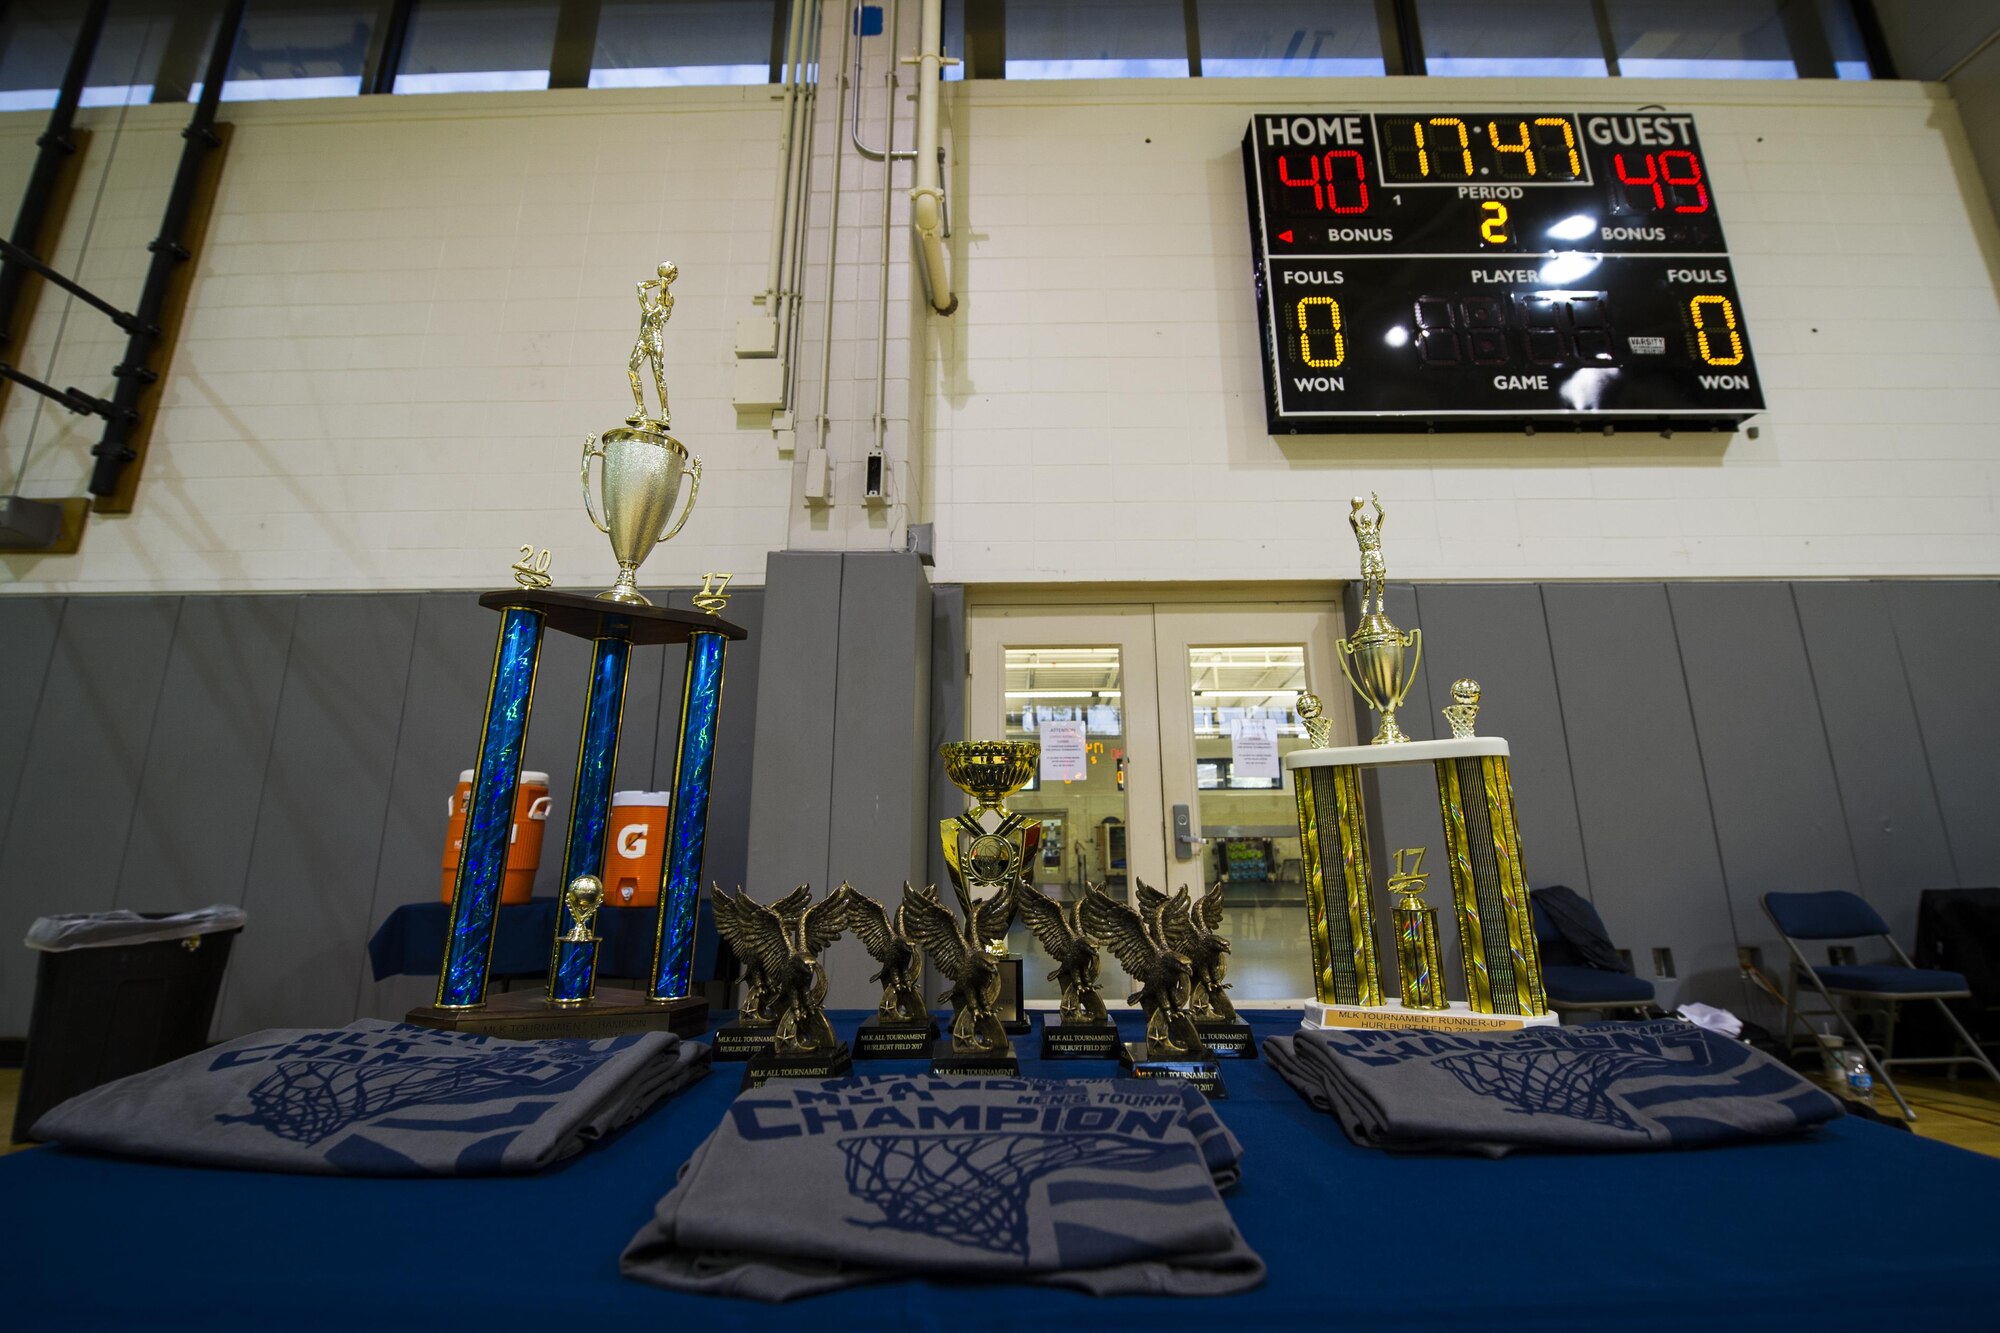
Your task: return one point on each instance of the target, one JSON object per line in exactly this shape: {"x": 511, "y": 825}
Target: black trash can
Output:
{"x": 117, "y": 993}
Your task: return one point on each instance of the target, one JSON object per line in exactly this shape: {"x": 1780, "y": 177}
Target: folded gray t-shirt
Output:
{"x": 1106, "y": 1186}
{"x": 1608, "y": 1087}
{"x": 380, "y": 1099}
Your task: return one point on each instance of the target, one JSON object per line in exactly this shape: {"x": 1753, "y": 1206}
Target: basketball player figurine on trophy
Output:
{"x": 1084, "y": 1031}
{"x": 901, "y": 1028}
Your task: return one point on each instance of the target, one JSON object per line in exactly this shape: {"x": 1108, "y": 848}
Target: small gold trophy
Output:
{"x": 989, "y": 848}
{"x": 576, "y": 948}
{"x": 1419, "y": 959}
{"x": 1372, "y": 658}
{"x": 586, "y": 895}
{"x": 642, "y": 464}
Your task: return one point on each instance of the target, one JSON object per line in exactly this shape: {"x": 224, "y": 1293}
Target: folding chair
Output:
{"x": 1845, "y": 916}
{"x": 1572, "y": 983}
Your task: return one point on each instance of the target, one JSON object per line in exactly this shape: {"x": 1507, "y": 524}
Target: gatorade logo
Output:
{"x": 632, "y": 841}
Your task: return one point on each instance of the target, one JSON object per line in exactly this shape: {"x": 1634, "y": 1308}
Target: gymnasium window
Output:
{"x": 674, "y": 43}
{"x": 465, "y": 46}
{"x": 1243, "y": 39}
{"x": 1520, "y": 39}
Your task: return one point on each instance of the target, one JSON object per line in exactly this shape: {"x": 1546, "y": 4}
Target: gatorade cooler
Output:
{"x": 524, "y": 851}
{"x": 636, "y": 849}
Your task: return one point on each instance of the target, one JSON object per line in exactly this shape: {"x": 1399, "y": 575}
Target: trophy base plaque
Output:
{"x": 1079, "y": 1041}
{"x": 1229, "y": 1041}
{"x": 742, "y": 1041}
{"x": 1135, "y": 1060}
{"x": 528, "y": 1015}
{"x": 997, "y": 1064}
{"x": 1393, "y": 1017}
{"x": 1013, "y": 1009}
{"x": 767, "y": 1065}
{"x": 887, "y": 1039}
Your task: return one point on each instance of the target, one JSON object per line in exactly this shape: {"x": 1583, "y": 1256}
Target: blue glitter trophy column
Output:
{"x": 642, "y": 470}
{"x": 680, "y": 878}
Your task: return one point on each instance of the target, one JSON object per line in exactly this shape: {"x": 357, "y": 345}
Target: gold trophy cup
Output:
{"x": 640, "y": 479}
{"x": 984, "y": 853}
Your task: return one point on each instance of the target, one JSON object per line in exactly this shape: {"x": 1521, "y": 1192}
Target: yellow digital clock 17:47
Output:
{"x": 1476, "y": 270}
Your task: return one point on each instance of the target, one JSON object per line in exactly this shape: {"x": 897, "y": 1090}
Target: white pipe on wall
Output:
{"x": 888, "y": 194}
{"x": 792, "y": 256}
{"x": 847, "y": 20}
{"x": 927, "y": 199}
{"x": 787, "y": 166}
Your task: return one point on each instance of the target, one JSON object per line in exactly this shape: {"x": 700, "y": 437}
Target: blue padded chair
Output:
{"x": 1571, "y": 983}
{"x": 1845, "y": 916}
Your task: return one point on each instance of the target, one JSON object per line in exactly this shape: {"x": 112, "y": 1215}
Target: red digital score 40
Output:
{"x": 1327, "y": 176}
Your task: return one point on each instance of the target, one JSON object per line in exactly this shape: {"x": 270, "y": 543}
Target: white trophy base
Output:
{"x": 1392, "y": 1016}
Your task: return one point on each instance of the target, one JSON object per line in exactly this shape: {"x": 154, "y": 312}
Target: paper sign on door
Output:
{"x": 1063, "y": 757}
{"x": 1253, "y": 748}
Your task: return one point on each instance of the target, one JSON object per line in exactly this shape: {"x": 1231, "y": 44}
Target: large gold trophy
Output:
{"x": 1499, "y": 960}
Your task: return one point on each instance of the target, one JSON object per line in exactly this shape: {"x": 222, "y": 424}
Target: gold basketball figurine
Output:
{"x": 586, "y": 895}
{"x": 1312, "y": 717}
{"x": 1463, "y": 710}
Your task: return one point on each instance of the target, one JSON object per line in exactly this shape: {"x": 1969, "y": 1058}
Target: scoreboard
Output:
{"x": 1480, "y": 271}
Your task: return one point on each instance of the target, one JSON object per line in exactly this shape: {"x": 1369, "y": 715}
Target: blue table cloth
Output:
{"x": 411, "y": 941}
{"x": 1857, "y": 1226}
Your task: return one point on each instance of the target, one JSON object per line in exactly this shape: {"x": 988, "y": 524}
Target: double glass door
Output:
{"x": 1186, "y": 709}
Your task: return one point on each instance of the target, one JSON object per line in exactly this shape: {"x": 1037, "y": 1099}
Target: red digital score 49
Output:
{"x": 1663, "y": 182}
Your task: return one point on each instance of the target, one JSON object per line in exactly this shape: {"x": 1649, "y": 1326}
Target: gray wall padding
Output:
{"x": 293, "y": 755}
{"x": 844, "y": 754}
{"x": 1679, "y": 750}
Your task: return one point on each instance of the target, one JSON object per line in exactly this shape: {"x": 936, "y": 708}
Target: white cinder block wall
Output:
{"x": 412, "y": 309}
{"x": 409, "y": 314}
{"x": 1099, "y": 401}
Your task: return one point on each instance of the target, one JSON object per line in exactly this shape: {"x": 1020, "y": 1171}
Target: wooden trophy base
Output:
{"x": 1079, "y": 1041}
{"x": 887, "y": 1039}
{"x": 991, "y": 1064}
{"x": 1229, "y": 1041}
{"x": 528, "y": 1015}
{"x": 744, "y": 1041}
{"x": 1136, "y": 1061}
{"x": 767, "y": 1065}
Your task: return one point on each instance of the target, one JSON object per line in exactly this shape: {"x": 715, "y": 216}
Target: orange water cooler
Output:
{"x": 524, "y": 850}
{"x": 635, "y": 848}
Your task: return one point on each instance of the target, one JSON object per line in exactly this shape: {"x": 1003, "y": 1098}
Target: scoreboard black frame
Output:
{"x": 1475, "y": 271}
